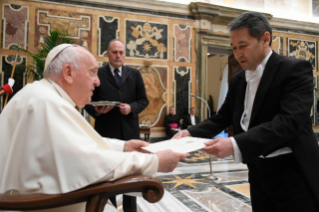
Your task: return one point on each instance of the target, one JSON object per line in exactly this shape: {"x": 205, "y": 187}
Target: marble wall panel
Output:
{"x": 182, "y": 87}
{"x": 108, "y": 29}
{"x": 77, "y": 24}
{"x": 182, "y": 43}
{"x": 146, "y": 40}
{"x": 277, "y": 44}
{"x": 15, "y": 26}
{"x": 6, "y": 67}
{"x": 155, "y": 80}
{"x": 303, "y": 49}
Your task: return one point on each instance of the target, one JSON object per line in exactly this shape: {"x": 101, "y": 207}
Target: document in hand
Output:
{"x": 182, "y": 145}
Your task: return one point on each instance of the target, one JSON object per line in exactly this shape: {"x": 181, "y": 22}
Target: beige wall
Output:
{"x": 215, "y": 68}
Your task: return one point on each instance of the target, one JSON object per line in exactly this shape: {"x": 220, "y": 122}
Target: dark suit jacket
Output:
{"x": 280, "y": 116}
{"x": 168, "y": 120}
{"x": 131, "y": 91}
{"x": 187, "y": 121}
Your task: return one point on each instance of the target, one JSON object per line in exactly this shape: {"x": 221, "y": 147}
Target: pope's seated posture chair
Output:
{"x": 95, "y": 195}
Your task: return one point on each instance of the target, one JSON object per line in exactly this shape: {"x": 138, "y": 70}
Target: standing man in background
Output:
{"x": 125, "y": 85}
{"x": 171, "y": 123}
{"x": 190, "y": 119}
{"x": 268, "y": 105}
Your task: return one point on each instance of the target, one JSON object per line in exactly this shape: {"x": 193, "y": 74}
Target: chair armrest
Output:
{"x": 151, "y": 188}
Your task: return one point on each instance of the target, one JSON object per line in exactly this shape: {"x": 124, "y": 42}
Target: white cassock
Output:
{"x": 48, "y": 147}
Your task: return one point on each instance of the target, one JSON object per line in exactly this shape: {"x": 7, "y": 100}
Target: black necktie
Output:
{"x": 117, "y": 76}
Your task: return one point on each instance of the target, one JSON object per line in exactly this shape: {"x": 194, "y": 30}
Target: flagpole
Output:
{"x": 12, "y": 73}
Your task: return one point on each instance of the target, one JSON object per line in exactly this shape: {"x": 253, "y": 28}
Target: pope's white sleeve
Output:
{"x": 135, "y": 163}
{"x": 115, "y": 144}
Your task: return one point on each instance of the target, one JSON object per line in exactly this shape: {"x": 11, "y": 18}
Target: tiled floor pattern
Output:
{"x": 187, "y": 189}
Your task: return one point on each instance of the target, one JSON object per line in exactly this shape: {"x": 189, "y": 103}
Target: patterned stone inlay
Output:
{"x": 216, "y": 200}
{"x": 182, "y": 43}
{"x": 146, "y": 40}
{"x": 14, "y": 25}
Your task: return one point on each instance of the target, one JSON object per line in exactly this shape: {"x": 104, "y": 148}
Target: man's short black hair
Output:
{"x": 256, "y": 23}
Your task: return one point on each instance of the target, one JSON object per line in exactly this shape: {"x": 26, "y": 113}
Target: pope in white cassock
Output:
{"x": 48, "y": 147}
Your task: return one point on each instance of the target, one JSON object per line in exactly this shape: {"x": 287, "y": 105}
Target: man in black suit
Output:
{"x": 269, "y": 107}
{"x": 171, "y": 123}
{"x": 190, "y": 119}
{"x": 125, "y": 85}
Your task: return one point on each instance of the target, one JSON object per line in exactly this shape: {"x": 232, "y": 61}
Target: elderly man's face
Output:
{"x": 192, "y": 111}
{"x": 85, "y": 81}
{"x": 116, "y": 54}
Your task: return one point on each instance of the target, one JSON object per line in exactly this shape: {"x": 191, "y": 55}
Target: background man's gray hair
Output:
{"x": 114, "y": 41}
{"x": 70, "y": 55}
{"x": 256, "y": 23}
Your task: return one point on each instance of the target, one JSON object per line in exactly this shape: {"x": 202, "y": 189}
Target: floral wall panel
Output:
{"x": 77, "y": 24}
{"x": 155, "y": 80}
{"x": 303, "y": 49}
{"x": 182, "y": 86}
{"x": 277, "y": 44}
{"x": 182, "y": 43}
{"x": 146, "y": 40}
{"x": 108, "y": 30}
{"x": 15, "y": 26}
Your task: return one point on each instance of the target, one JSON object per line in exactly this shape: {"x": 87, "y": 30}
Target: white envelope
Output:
{"x": 182, "y": 145}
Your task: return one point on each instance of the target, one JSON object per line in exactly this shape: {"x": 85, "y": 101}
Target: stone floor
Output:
{"x": 187, "y": 189}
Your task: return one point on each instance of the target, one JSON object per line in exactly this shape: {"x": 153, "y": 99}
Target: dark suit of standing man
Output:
{"x": 188, "y": 119}
{"x": 272, "y": 128}
{"x": 125, "y": 85}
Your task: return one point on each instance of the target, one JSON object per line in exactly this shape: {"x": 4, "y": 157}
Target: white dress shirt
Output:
{"x": 112, "y": 70}
{"x": 193, "y": 120}
{"x": 253, "y": 78}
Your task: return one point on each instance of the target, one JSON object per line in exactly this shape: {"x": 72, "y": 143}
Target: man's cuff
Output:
{"x": 237, "y": 154}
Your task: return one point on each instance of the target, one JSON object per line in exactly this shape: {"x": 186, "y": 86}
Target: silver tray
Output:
{"x": 105, "y": 103}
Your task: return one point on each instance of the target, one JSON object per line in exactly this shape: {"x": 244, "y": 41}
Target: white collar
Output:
{"x": 61, "y": 92}
{"x": 112, "y": 69}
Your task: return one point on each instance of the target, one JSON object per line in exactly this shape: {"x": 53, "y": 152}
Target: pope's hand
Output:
{"x": 181, "y": 134}
{"x": 103, "y": 109}
{"x": 168, "y": 160}
{"x": 125, "y": 108}
{"x": 219, "y": 147}
{"x": 135, "y": 145}
{"x": 11, "y": 82}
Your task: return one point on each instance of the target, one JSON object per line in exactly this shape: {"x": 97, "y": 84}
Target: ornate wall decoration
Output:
{"x": 182, "y": 43}
{"x": 78, "y": 26}
{"x": 277, "y": 44}
{"x": 6, "y": 66}
{"x": 303, "y": 49}
{"x": 146, "y": 40}
{"x": 182, "y": 86}
{"x": 15, "y": 26}
{"x": 155, "y": 80}
{"x": 108, "y": 29}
